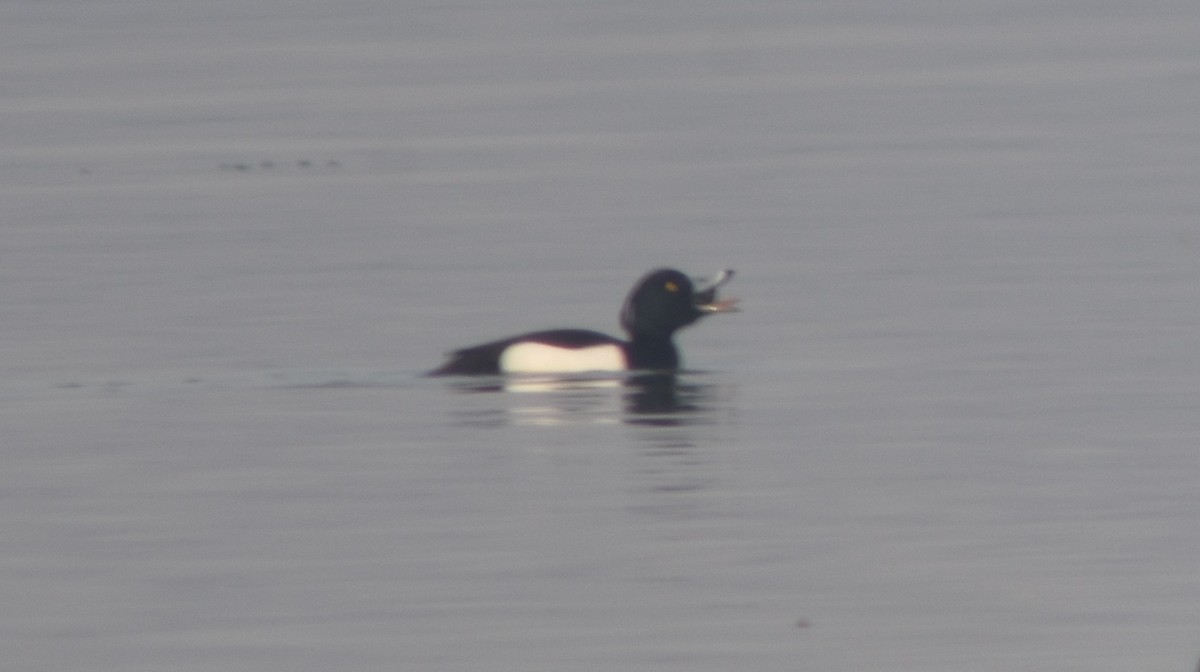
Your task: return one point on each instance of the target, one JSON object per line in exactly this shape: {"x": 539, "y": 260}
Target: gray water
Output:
{"x": 955, "y": 427}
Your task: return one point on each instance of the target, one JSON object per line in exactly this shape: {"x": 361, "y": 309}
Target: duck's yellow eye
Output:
{"x": 671, "y": 286}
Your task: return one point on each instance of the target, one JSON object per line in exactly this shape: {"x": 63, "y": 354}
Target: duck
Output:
{"x": 662, "y": 302}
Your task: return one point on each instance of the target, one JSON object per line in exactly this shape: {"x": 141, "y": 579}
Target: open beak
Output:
{"x": 705, "y": 291}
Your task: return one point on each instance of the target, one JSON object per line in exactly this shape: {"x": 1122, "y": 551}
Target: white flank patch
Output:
{"x": 544, "y": 358}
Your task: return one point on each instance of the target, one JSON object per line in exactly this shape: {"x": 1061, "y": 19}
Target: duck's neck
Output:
{"x": 652, "y": 353}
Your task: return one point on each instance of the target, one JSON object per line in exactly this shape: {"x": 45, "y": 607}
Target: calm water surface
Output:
{"x": 955, "y": 426}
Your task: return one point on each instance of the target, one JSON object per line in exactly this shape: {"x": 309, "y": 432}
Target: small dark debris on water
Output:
{"x": 803, "y": 623}
{"x": 270, "y": 164}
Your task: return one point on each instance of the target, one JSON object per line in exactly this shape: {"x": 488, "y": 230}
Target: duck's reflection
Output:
{"x": 662, "y": 399}
{"x": 675, "y": 470}
{"x": 668, "y": 418}
{"x": 647, "y": 399}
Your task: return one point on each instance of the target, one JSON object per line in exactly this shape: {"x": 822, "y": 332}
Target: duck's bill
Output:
{"x": 706, "y": 293}
{"x": 722, "y": 306}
